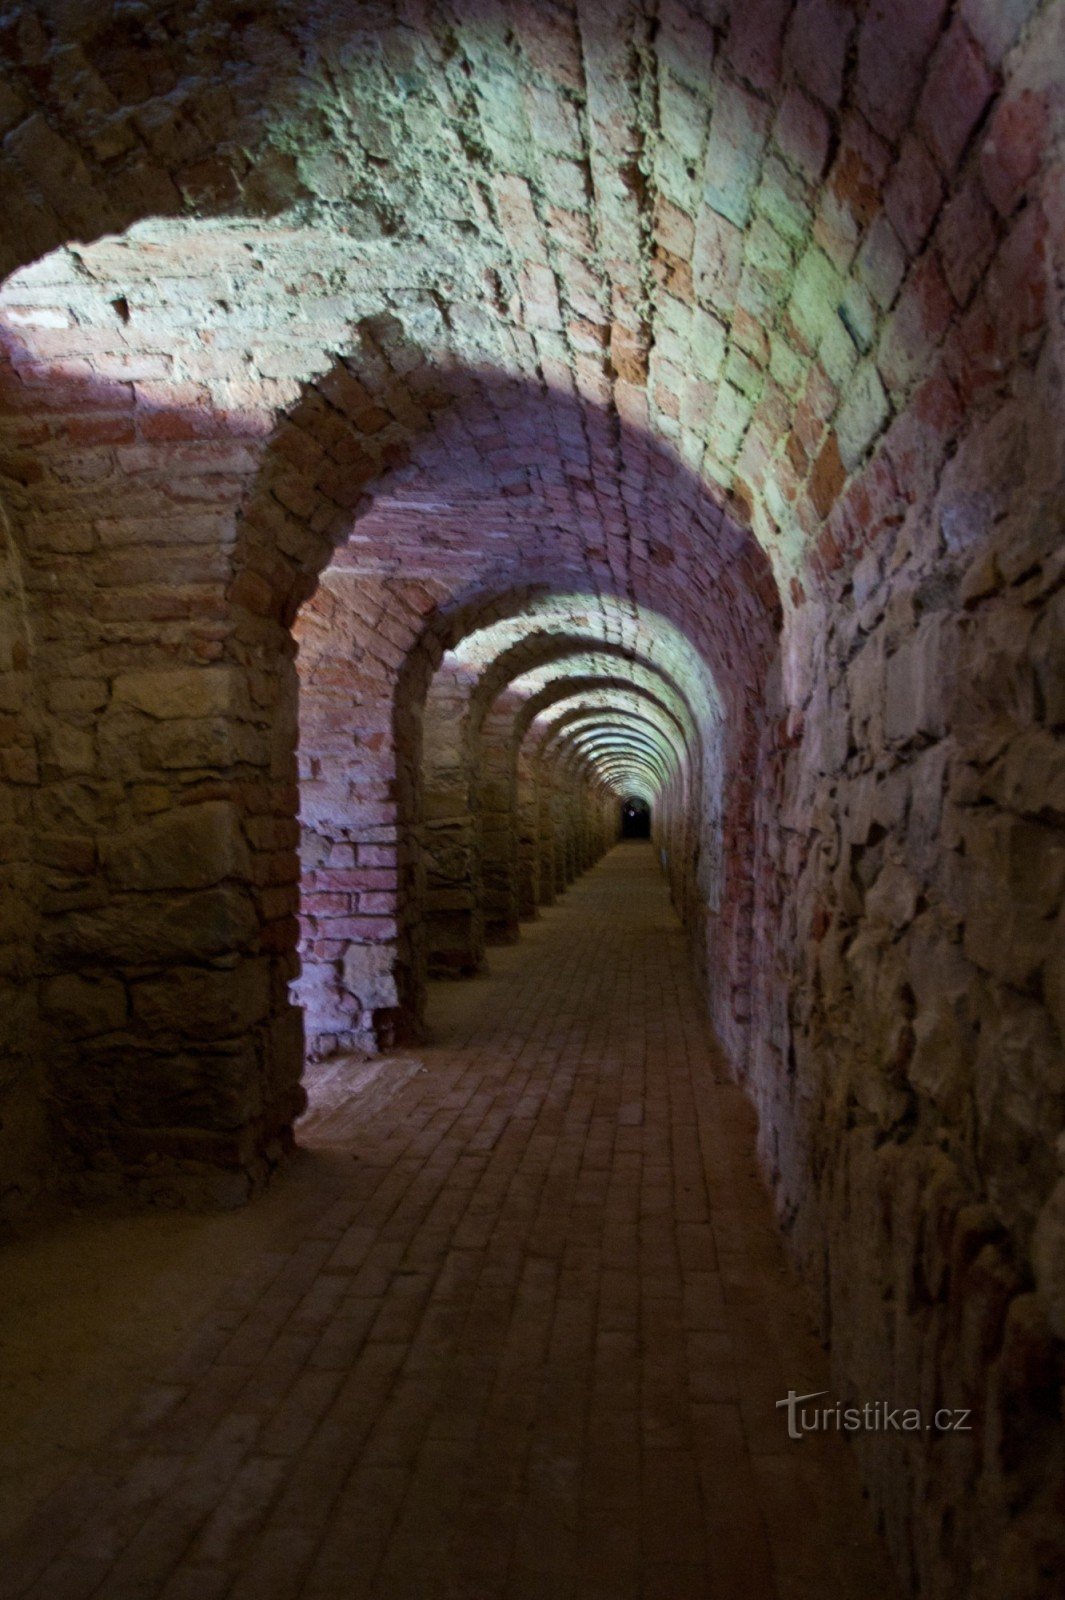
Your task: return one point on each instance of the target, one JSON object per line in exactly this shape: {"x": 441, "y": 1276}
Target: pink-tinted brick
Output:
{"x": 1012, "y": 148}
{"x": 916, "y": 326}
{"x": 801, "y": 133}
{"x": 918, "y": 440}
{"x": 882, "y": 262}
{"x": 956, "y": 92}
{"x": 815, "y": 47}
{"x": 674, "y": 229}
{"x": 859, "y": 172}
{"x": 326, "y": 905}
{"x": 996, "y": 24}
{"x": 965, "y": 239}
{"x": 754, "y": 41}
{"x": 896, "y": 40}
{"x": 913, "y": 194}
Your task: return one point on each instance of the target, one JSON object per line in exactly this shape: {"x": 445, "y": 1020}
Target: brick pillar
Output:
{"x": 545, "y": 833}
{"x": 528, "y": 837}
{"x": 361, "y": 980}
{"x": 454, "y": 918}
{"x": 23, "y": 1086}
{"x": 497, "y": 816}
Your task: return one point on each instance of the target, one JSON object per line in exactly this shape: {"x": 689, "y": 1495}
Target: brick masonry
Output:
{"x": 711, "y": 360}
{"x": 518, "y": 1330}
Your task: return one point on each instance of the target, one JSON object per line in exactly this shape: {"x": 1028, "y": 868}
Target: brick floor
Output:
{"x": 525, "y": 1341}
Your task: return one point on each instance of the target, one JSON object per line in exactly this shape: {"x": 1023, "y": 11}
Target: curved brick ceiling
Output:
{"x": 575, "y": 290}
{"x": 600, "y": 698}
{"x": 605, "y": 695}
{"x": 599, "y": 679}
{"x": 599, "y": 735}
{"x": 684, "y": 304}
{"x": 556, "y": 637}
{"x": 633, "y": 721}
{"x": 567, "y": 623}
{"x": 722, "y": 257}
{"x": 538, "y": 685}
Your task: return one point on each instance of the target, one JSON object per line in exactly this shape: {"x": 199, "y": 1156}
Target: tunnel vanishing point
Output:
{"x": 424, "y": 428}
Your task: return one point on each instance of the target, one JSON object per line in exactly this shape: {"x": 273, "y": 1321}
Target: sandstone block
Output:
{"x": 199, "y": 1003}
{"x": 1054, "y": 976}
{"x": 190, "y": 847}
{"x": 211, "y": 742}
{"x": 84, "y": 1006}
{"x": 1006, "y": 940}
{"x": 183, "y": 692}
{"x": 918, "y": 682}
{"x": 139, "y": 929}
{"x": 72, "y": 750}
{"x": 1048, "y": 1257}
{"x": 941, "y": 1062}
{"x": 369, "y": 974}
{"x": 76, "y": 694}
{"x": 893, "y": 897}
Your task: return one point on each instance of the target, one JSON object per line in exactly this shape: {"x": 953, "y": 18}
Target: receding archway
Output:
{"x": 635, "y": 817}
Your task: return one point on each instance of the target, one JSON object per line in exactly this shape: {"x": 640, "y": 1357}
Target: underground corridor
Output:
{"x": 532, "y": 882}
{"x": 517, "y": 1324}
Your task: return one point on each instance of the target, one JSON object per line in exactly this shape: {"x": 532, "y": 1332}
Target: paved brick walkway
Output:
{"x": 523, "y": 1338}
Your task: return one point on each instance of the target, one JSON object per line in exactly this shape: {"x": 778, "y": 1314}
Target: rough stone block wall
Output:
{"x": 25, "y": 1152}
{"x": 496, "y": 791}
{"x": 454, "y": 905}
{"x": 911, "y": 1079}
{"x": 528, "y": 827}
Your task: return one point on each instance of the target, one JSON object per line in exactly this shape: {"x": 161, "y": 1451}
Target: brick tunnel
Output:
{"x": 426, "y": 428}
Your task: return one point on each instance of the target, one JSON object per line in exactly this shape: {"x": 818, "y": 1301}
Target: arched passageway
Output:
{"x": 539, "y": 1324}
{"x": 422, "y": 426}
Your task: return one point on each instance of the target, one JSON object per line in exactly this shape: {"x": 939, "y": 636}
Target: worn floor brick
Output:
{"x": 534, "y": 1352}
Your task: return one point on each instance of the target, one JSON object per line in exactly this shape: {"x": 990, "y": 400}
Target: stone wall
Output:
{"x": 25, "y": 1153}
{"x": 494, "y": 764}
{"x": 911, "y": 1079}
{"x": 454, "y": 908}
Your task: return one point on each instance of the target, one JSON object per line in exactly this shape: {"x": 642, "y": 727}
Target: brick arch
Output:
{"x": 504, "y": 807}
{"x": 678, "y": 800}
{"x": 694, "y": 845}
{"x": 478, "y": 612}
{"x": 641, "y": 736}
{"x": 591, "y": 693}
{"x": 276, "y": 512}
{"x": 540, "y": 633}
{"x": 271, "y": 543}
{"x": 542, "y": 651}
{"x": 535, "y": 868}
{"x": 788, "y": 129}
{"x": 469, "y": 609}
{"x": 358, "y": 431}
{"x": 613, "y": 715}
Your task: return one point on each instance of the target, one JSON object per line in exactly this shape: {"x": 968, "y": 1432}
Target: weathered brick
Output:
{"x": 1011, "y": 148}
{"x": 913, "y": 195}
{"x": 916, "y": 326}
{"x": 893, "y": 49}
{"x": 956, "y": 92}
